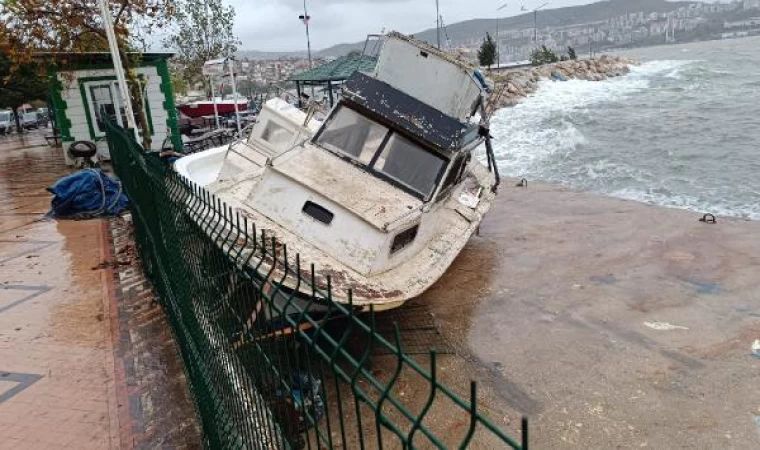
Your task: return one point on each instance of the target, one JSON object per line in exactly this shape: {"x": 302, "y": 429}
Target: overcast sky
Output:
{"x": 273, "y": 25}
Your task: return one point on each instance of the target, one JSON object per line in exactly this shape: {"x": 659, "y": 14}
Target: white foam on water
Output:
{"x": 665, "y": 68}
{"x": 538, "y": 127}
{"x": 534, "y": 137}
{"x": 721, "y": 207}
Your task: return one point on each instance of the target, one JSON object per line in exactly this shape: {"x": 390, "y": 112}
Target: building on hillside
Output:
{"x": 84, "y": 93}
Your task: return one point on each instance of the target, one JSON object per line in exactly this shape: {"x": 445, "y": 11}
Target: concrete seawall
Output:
{"x": 513, "y": 86}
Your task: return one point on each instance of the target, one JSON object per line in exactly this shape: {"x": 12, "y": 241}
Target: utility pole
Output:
{"x": 305, "y": 18}
{"x": 438, "y": 23}
{"x": 535, "y": 23}
{"x": 498, "y": 52}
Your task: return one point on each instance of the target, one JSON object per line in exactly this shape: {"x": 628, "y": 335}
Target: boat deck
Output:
{"x": 388, "y": 289}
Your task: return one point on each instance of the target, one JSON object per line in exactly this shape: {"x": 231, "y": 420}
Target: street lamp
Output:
{"x": 305, "y": 19}
{"x": 535, "y": 22}
{"x": 438, "y": 23}
{"x": 498, "y": 53}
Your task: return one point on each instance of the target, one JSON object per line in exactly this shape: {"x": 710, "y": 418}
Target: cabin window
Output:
{"x": 352, "y": 134}
{"x": 276, "y": 134}
{"x": 455, "y": 174}
{"x": 404, "y": 239}
{"x": 408, "y": 164}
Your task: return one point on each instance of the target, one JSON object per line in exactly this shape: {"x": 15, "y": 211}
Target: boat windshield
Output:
{"x": 383, "y": 151}
{"x": 352, "y": 134}
{"x": 408, "y": 164}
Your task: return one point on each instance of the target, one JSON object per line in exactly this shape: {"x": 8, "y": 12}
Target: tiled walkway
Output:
{"x": 56, "y": 387}
{"x": 61, "y": 311}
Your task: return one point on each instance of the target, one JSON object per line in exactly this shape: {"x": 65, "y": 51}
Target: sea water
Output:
{"x": 681, "y": 130}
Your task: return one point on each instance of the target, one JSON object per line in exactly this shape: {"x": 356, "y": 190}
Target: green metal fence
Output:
{"x": 269, "y": 369}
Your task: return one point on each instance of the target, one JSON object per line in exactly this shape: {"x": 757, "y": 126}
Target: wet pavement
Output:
{"x": 56, "y": 383}
{"x": 611, "y": 324}
{"x": 86, "y": 358}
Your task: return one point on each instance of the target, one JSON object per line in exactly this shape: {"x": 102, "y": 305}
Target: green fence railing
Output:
{"x": 268, "y": 368}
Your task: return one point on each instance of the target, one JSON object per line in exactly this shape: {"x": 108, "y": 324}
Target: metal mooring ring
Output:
{"x": 708, "y": 218}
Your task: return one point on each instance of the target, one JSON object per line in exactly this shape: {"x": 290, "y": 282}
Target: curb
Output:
{"x": 120, "y": 417}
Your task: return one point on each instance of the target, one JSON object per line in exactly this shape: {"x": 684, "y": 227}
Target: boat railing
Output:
{"x": 373, "y": 45}
{"x": 272, "y": 366}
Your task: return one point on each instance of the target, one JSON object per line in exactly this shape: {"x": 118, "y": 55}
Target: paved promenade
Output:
{"x": 611, "y": 324}
{"x": 86, "y": 361}
{"x": 56, "y": 367}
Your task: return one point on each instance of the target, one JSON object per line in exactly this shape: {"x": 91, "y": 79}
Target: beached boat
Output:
{"x": 206, "y": 107}
{"x": 383, "y": 194}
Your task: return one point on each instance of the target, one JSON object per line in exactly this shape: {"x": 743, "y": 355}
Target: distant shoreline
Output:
{"x": 629, "y": 50}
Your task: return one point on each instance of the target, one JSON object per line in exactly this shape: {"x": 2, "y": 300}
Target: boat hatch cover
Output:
{"x": 409, "y": 114}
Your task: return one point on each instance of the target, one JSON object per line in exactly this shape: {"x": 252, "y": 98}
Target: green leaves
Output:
{"x": 487, "y": 52}
{"x": 202, "y": 31}
{"x": 542, "y": 56}
{"x": 20, "y": 84}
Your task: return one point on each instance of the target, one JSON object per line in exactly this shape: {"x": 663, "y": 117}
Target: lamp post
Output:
{"x": 535, "y": 21}
{"x": 305, "y": 19}
{"x": 498, "y": 52}
{"x": 438, "y": 23}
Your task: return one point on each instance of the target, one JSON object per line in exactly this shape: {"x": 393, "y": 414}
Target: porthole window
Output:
{"x": 404, "y": 239}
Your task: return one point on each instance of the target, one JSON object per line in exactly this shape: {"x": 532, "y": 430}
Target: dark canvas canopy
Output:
{"x": 409, "y": 114}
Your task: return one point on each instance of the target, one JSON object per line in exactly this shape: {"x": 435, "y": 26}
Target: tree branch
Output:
{"x": 124, "y": 4}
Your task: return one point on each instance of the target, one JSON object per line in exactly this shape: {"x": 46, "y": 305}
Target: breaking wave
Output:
{"x": 629, "y": 137}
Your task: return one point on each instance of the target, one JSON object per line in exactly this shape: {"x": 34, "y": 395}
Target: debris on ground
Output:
{"x": 664, "y": 326}
{"x": 756, "y": 348}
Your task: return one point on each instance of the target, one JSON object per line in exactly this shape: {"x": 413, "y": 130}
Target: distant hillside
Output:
{"x": 256, "y": 54}
{"x": 476, "y": 28}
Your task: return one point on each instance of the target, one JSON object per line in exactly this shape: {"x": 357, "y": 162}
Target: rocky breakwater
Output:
{"x": 518, "y": 84}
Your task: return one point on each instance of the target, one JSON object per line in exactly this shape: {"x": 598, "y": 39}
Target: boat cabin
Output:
{"x": 379, "y": 182}
{"x": 397, "y": 138}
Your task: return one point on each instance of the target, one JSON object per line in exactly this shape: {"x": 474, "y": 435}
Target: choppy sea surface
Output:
{"x": 681, "y": 130}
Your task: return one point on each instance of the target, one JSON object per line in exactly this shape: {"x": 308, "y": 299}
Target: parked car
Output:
{"x": 43, "y": 116}
{"x": 7, "y": 122}
{"x": 30, "y": 120}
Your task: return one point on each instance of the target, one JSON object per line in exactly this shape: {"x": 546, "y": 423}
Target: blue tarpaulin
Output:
{"x": 87, "y": 194}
